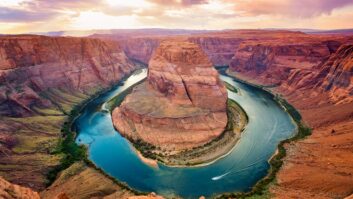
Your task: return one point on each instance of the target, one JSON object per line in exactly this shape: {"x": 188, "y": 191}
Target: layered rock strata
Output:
{"x": 31, "y": 64}
{"x": 181, "y": 105}
{"x": 12, "y": 191}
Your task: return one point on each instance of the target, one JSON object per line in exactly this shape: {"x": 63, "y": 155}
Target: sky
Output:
{"x": 23, "y": 16}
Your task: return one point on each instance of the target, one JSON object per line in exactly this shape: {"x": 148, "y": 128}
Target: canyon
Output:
{"x": 43, "y": 78}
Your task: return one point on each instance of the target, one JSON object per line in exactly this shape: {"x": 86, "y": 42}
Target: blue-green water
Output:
{"x": 239, "y": 171}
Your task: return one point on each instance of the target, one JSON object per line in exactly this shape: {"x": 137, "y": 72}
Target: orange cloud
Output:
{"x": 183, "y": 3}
{"x": 292, "y": 8}
{"x": 53, "y": 15}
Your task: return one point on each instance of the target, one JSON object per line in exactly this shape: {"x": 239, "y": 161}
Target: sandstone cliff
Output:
{"x": 219, "y": 46}
{"x": 30, "y": 65}
{"x": 183, "y": 73}
{"x": 332, "y": 76}
{"x": 272, "y": 61}
{"x": 182, "y": 104}
{"x": 140, "y": 49}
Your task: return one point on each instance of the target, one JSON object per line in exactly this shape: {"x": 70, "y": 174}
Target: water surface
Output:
{"x": 239, "y": 171}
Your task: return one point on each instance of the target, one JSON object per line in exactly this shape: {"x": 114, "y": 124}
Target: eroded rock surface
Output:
{"x": 31, "y": 64}
{"x": 12, "y": 191}
{"x": 181, "y": 105}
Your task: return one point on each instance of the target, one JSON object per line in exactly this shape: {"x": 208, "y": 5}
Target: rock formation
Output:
{"x": 12, "y": 191}
{"x": 332, "y": 76}
{"x": 182, "y": 104}
{"x": 32, "y": 64}
{"x": 219, "y": 46}
{"x": 273, "y": 61}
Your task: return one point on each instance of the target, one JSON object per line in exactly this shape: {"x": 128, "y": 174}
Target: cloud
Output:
{"x": 291, "y": 8}
{"x": 52, "y": 15}
{"x": 41, "y": 10}
{"x": 21, "y": 15}
{"x": 62, "y": 4}
{"x": 178, "y": 3}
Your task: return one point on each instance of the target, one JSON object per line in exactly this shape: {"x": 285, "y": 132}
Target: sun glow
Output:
{"x": 10, "y": 2}
{"x": 98, "y": 20}
{"x": 129, "y": 3}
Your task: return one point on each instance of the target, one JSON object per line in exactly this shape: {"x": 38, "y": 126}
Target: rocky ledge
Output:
{"x": 182, "y": 104}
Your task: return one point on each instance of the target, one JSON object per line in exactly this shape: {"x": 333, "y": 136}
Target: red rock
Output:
{"x": 30, "y": 65}
{"x": 273, "y": 62}
{"x": 12, "y": 191}
{"x": 182, "y": 104}
{"x": 183, "y": 73}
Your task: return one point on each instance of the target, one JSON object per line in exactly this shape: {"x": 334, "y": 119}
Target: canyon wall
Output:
{"x": 321, "y": 165}
{"x": 332, "y": 76}
{"x": 271, "y": 62}
{"x": 219, "y": 46}
{"x": 316, "y": 64}
{"x": 220, "y": 50}
{"x": 140, "y": 49}
{"x": 30, "y": 65}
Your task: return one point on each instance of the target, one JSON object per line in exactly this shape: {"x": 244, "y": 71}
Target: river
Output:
{"x": 246, "y": 164}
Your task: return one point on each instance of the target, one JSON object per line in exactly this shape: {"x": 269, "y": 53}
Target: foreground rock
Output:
{"x": 180, "y": 106}
{"x": 12, "y": 191}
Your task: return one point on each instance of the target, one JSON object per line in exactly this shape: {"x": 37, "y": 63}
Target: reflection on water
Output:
{"x": 238, "y": 171}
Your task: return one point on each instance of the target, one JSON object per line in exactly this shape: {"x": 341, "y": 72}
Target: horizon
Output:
{"x": 38, "y": 16}
{"x": 90, "y": 32}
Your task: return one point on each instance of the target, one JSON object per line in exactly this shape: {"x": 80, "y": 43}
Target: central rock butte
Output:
{"x": 181, "y": 105}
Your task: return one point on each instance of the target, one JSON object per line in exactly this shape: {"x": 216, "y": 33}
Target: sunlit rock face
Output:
{"x": 334, "y": 76}
{"x": 184, "y": 74}
{"x": 181, "y": 105}
{"x": 30, "y": 65}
